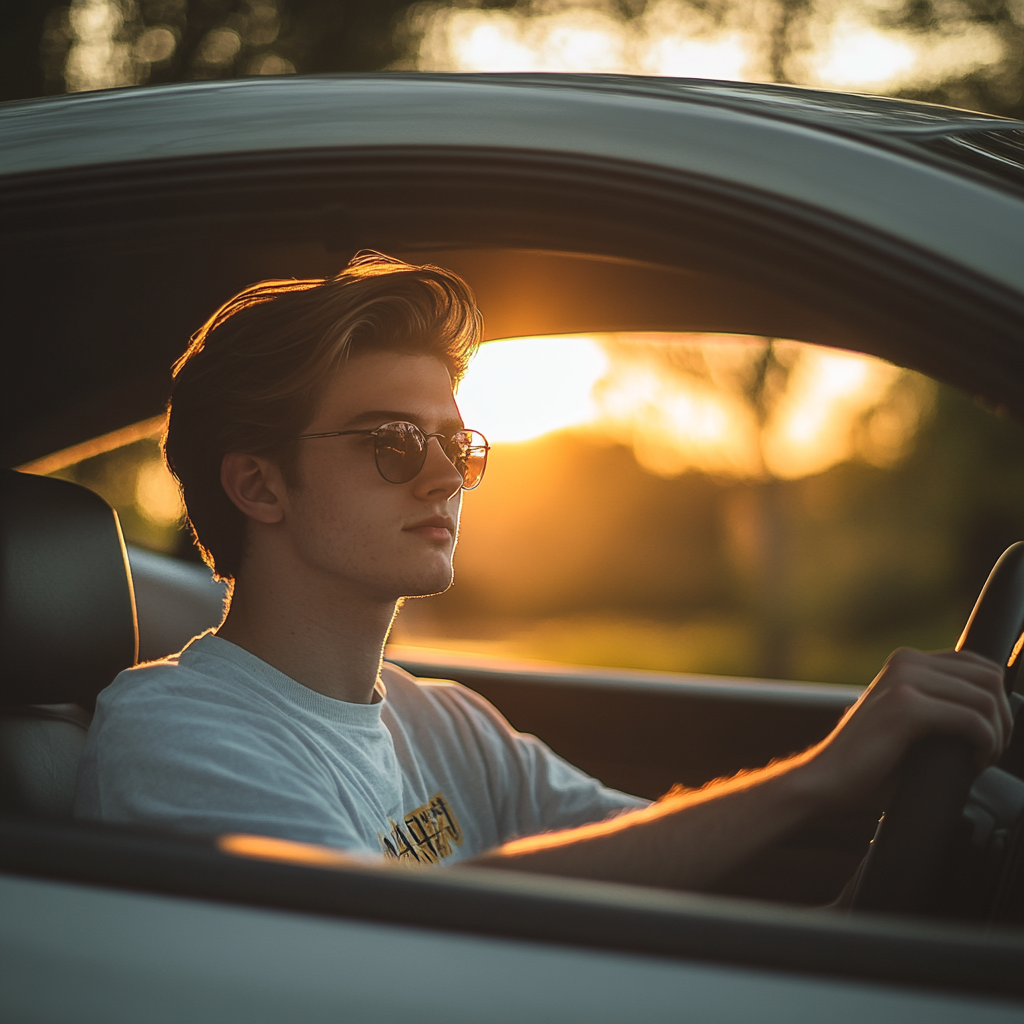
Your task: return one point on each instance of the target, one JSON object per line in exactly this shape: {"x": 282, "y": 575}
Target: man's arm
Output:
{"x": 688, "y": 839}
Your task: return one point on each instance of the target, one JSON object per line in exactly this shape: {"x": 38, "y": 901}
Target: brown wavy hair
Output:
{"x": 253, "y": 375}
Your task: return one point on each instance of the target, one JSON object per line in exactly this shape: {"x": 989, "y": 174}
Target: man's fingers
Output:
{"x": 974, "y": 665}
{"x": 970, "y": 666}
{"x": 960, "y": 677}
{"x": 966, "y": 664}
{"x": 916, "y": 694}
{"x": 993, "y": 706}
{"x": 935, "y": 715}
{"x": 964, "y": 655}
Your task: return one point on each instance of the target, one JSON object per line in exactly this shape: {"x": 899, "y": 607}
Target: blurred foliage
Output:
{"x": 134, "y": 480}
{"x": 156, "y": 41}
{"x": 572, "y": 552}
{"x": 309, "y": 36}
{"x": 996, "y": 89}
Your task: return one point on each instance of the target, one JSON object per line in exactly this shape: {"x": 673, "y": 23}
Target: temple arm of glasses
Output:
{"x": 332, "y": 433}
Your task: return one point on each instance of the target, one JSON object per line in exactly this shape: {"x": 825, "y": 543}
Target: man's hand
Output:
{"x": 951, "y": 692}
{"x": 688, "y": 839}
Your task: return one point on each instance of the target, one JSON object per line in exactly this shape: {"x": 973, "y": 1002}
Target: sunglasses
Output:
{"x": 400, "y": 449}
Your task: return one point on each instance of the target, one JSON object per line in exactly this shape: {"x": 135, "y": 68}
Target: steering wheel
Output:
{"x": 915, "y": 836}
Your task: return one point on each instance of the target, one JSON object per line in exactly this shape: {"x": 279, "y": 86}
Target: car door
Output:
{"x": 131, "y": 214}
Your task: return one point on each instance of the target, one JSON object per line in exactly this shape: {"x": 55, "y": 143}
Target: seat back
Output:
{"x": 67, "y": 627}
{"x": 40, "y": 748}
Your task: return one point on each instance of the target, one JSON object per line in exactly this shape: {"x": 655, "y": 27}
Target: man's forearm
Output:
{"x": 686, "y": 840}
{"x": 689, "y": 839}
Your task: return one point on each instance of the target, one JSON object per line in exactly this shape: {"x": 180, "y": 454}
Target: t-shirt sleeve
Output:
{"x": 533, "y": 789}
{"x": 206, "y": 768}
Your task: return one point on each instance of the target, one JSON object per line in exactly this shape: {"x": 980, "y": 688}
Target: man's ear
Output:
{"x": 255, "y": 485}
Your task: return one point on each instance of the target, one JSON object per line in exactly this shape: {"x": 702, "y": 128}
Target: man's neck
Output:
{"x": 330, "y": 642}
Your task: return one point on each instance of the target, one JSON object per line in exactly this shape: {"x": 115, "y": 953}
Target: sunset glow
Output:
{"x": 519, "y": 390}
{"x": 286, "y": 851}
{"x": 859, "y": 56}
{"x": 813, "y": 425}
{"x": 676, "y": 422}
{"x": 682, "y": 402}
{"x": 852, "y": 45}
{"x": 845, "y": 47}
{"x": 157, "y": 494}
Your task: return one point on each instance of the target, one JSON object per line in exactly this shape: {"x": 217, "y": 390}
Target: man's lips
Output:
{"x": 433, "y": 528}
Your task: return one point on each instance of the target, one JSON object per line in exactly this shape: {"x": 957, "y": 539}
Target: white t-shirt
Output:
{"x": 216, "y": 740}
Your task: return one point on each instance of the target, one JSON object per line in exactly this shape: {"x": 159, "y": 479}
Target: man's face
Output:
{"x": 344, "y": 519}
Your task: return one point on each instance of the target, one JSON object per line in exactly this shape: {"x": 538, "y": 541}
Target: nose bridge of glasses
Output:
{"x": 447, "y": 446}
{"x": 456, "y": 448}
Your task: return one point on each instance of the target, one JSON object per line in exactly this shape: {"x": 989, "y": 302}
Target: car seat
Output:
{"x": 67, "y": 627}
{"x": 175, "y": 600}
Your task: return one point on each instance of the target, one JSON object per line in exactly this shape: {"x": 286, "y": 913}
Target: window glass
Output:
{"x": 721, "y": 504}
{"x": 126, "y": 468}
{"x": 711, "y": 504}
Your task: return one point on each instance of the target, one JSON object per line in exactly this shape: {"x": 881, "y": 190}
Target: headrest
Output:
{"x": 67, "y": 612}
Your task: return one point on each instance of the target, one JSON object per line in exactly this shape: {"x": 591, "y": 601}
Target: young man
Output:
{"x": 321, "y": 454}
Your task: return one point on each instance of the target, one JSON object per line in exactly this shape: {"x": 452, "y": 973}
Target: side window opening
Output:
{"x": 720, "y": 504}
{"x": 716, "y": 504}
{"x": 126, "y": 468}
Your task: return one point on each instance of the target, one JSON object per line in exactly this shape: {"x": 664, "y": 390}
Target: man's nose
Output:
{"x": 439, "y": 472}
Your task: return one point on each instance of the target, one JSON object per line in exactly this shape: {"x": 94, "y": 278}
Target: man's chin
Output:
{"x": 427, "y": 591}
{"x": 429, "y": 586}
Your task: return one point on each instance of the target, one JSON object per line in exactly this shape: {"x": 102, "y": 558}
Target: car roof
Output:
{"x": 834, "y": 111}
{"x": 615, "y": 203}
{"x": 837, "y": 111}
{"x": 861, "y": 158}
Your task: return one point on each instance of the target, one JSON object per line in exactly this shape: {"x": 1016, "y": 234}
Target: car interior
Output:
{"x": 108, "y": 278}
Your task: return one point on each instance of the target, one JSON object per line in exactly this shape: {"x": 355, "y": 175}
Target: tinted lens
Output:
{"x": 467, "y": 451}
{"x": 401, "y": 451}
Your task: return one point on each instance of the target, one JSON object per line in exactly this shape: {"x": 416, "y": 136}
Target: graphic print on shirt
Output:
{"x": 425, "y": 835}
